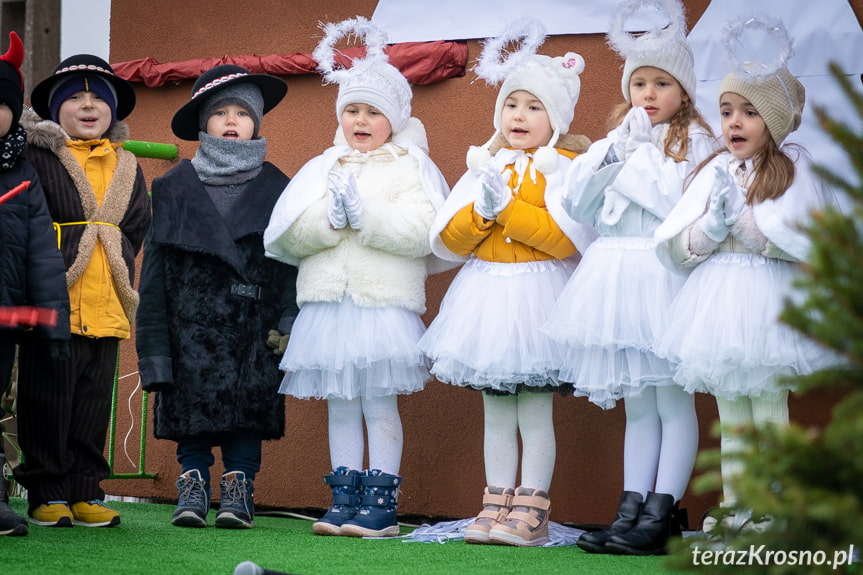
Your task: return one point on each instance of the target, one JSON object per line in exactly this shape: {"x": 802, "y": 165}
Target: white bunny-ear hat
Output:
{"x": 555, "y": 81}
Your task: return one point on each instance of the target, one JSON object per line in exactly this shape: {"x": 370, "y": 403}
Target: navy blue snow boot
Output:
{"x": 237, "y": 507}
{"x": 345, "y": 484}
{"x": 193, "y": 500}
{"x": 377, "y": 514}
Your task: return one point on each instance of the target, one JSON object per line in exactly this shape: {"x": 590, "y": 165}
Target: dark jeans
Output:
{"x": 241, "y": 451}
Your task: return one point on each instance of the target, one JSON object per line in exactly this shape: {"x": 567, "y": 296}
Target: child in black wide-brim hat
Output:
{"x": 97, "y": 198}
{"x": 207, "y": 288}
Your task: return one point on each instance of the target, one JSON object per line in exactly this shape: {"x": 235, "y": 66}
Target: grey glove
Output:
{"x": 495, "y": 195}
{"x": 633, "y": 132}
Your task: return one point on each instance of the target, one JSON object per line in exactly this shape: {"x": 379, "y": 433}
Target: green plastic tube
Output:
{"x": 151, "y": 150}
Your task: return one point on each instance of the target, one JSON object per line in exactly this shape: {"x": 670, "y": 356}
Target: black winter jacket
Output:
{"x": 209, "y": 296}
{"x": 31, "y": 267}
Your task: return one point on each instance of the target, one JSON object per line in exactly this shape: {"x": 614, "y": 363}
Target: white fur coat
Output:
{"x": 385, "y": 263}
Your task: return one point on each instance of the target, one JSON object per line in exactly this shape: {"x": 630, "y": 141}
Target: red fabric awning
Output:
{"x": 420, "y": 62}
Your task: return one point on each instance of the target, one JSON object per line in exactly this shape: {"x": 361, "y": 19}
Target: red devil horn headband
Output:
{"x": 14, "y": 56}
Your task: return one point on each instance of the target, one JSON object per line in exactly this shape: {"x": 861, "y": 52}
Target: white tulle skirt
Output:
{"x": 609, "y": 316}
{"x": 725, "y": 335}
{"x": 487, "y": 332}
{"x": 346, "y": 351}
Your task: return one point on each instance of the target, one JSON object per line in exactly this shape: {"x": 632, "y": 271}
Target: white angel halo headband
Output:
{"x": 360, "y": 27}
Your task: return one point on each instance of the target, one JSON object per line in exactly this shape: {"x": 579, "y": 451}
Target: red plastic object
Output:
{"x": 15, "y": 191}
{"x": 27, "y": 316}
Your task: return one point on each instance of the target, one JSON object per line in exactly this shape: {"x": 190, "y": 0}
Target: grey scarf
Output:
{"x": 222, "y": 162}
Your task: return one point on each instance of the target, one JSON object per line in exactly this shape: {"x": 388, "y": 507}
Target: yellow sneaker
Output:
{"x": 52, "y": 514}
{"x": 94, "y": 514}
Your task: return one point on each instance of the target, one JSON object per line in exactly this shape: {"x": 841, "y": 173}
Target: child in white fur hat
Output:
{"x": 503, "y": 220}
{"x": 738, "y": 231}
{"x": 615, "y": 305}
{"x": 355, "y": 220}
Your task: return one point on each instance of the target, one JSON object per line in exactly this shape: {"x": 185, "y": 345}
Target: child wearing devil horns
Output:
{"x": 31, "y": 268}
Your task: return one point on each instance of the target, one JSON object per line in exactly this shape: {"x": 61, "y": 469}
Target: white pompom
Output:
{"x": 478, "y": 157}
{"x": 546, "y": 159}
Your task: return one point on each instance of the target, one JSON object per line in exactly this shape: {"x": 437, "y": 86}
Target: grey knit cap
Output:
{"x": 242, "y": 94}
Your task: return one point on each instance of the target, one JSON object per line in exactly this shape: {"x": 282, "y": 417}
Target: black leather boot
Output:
{"x": 627, "y": 515}
{"x": 652, "y": 531}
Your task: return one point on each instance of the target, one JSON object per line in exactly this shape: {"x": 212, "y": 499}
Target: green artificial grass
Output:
{"x": 146, "y": 543}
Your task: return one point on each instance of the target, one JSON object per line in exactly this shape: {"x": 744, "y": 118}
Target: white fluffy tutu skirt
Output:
{"x": 608, "y": 318}
{"x": 345, "y": 351}
{"x": 487, "y": 333}
{"x": 725, "y": 335}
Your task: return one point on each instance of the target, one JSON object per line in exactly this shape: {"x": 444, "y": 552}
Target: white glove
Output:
{"x": 613, "y": 207}
{"x": 495, "y": 194}
{"x": 735, "y": 203}
{"x": 735, "y": 200}
{"x": 713, "y": 221}
{"x": 351, "y": 201}
{"x": 634, "y": 130}
{"x": 336, "y": 211}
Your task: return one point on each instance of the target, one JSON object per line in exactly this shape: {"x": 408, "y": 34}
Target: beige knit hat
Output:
{"x": 768, "y": 85}
{"x": 779, "y": 99}
{"x": 663, "y": 46}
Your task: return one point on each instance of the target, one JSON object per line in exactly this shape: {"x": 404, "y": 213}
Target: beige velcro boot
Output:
{"x": 526, "y": 525}
{"x": 496, "y": 505}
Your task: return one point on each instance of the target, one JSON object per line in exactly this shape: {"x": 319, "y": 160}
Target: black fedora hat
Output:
{"x": 185, "y": 123}
{"x": 83, "y": 64}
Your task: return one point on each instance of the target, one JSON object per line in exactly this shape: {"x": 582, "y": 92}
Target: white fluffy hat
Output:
{"x": 554, "y": 81}
{"x": 371, "y": 80}
{"x": 663, "y": 44}
{"x": 767, "y": 83}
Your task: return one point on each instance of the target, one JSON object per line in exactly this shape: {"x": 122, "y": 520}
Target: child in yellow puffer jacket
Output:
{"x": 504, "y": 220}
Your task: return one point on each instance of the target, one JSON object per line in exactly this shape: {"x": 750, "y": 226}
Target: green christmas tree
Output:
{"x": 805, "y": 486}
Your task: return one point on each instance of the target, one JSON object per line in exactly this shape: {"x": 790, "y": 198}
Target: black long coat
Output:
{"x": 200, "y": 337}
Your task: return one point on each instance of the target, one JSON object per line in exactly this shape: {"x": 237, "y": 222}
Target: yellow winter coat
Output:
{"x": 524, "y": 231}
{"x": 96, "y": 307}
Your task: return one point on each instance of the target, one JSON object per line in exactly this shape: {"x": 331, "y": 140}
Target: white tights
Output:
{"x": 661, "y": 441}
{"x": 745, "y": 411}
{"x": 507, "y": 415}
{"x": 384, "y": 426}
